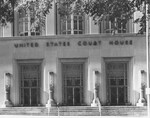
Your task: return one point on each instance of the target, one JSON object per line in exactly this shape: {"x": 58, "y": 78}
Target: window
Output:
{"x": 106, "y": 26}
{"x": 72, "y": 24}
{"x": 25, "y": 21}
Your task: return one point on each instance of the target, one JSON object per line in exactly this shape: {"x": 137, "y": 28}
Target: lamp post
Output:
{"x": 13, "y": 24}
{"x": 147, "y": 60}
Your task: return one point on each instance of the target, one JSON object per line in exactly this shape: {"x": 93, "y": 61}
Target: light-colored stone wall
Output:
{"x": 93, "y": 48}
{"x": 6, "y": 31}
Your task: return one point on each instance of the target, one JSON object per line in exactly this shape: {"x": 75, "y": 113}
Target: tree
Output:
{"x": 118, "y": 11}
{"x": 67, "y": 7}
{"x": 6, "y": 11}
{"x": 141, "y": 6}
{"x": 38, "y": 8}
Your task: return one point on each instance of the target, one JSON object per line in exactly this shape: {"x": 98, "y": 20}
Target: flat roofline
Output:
{"x": 70, "y": 36}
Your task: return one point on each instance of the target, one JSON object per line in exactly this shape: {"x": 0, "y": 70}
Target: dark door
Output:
{"x": 116, "y": 73}
{"x": 77, "y": 92}
{"x": 73, "y": 96}
{"x": 73, "y": 83}
{"x": 69, "y": 96}
{"x": 30, "y": 84}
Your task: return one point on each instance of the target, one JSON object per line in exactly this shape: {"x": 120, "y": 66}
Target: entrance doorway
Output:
{"x": 116, "y": 74}
{"x": 73, "y": 83}
{"x": 30, "y": 84}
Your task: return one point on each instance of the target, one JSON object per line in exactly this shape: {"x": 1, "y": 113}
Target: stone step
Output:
{"x": 124, "y": 111}
{"x": 67, "y": 111}
{"x": 76, "y": 111}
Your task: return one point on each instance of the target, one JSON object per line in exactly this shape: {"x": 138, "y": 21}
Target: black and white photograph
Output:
{"x": 74, "y": 58}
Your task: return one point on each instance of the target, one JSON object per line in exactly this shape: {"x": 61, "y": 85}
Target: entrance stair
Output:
{"x": 76, "y": 111}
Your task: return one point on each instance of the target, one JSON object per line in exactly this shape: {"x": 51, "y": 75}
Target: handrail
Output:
{"x": 49, "y": 109}
{"x": 58, "y": 111}
{"x": 99, "y": 105}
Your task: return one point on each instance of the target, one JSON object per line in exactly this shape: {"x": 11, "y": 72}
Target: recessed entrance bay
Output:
{"x": 30, "y": 84}
{"x": 73, "y": 83}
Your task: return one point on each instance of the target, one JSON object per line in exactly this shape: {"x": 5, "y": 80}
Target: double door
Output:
{"x": 30, "y": 84}
{"x": 73, "y": 96}
{"x": 73, "y": 83}
{"x": 116, "y": 73}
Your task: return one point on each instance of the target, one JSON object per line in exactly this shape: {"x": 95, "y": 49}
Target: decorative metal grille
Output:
{"x": 73, "y": 83}
{"x": 30, "y": 84}
{"x": 116, "y": 74}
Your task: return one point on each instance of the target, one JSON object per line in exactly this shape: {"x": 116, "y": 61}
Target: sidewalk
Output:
{"x": 24, "y": 116}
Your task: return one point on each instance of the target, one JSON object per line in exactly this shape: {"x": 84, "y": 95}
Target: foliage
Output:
{"x": 141, "y": 6}
{"x": 67, "y": 7}
{"x": 117, "y": 10}
{"x": 39, "y": 8}
{"x": 6, "y": 11}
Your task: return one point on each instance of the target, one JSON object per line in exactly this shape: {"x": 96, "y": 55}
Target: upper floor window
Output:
{"x": 26, "y": 18}
{"x": 73, "y": 24}
{"x": 106, "y": 26}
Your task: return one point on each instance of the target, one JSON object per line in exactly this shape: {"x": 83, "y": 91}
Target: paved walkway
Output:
{"x": 24, "y": 116}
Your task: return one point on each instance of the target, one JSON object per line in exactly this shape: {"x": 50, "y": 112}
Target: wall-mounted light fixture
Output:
{"x": 142, "y": 71}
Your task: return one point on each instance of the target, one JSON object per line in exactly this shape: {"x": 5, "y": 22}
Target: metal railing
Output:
{"x": 58, "y": 112}
{"x": 49, "y": 108}
{"x": 99, "y": 106}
